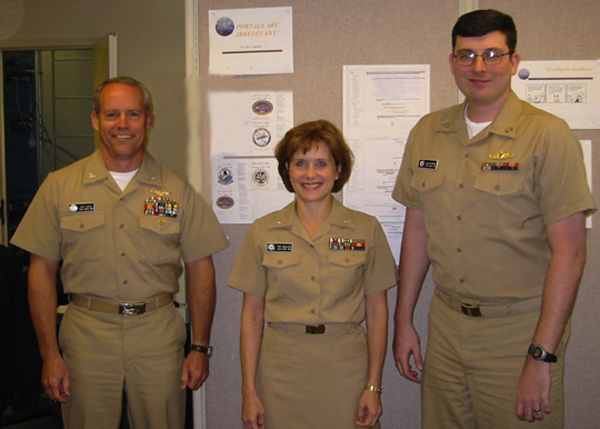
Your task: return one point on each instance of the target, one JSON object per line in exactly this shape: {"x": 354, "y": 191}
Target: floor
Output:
{"x": 43, "y": 415}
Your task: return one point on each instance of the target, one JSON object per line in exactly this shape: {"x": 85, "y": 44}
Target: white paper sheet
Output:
{"x": 245, "y": 128}
{"x": 251, "y": 41}
{"x": 568, "y": 89}
{"x": 381, "y": 105}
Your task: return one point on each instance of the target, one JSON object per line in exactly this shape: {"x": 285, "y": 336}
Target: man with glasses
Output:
{"x": 496, "y": 196}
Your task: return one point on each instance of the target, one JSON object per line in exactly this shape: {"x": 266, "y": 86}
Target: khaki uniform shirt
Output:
{"x": 114, "y": 244}
{"x": 486, "y": 223}
{"x": 316, "y": 280}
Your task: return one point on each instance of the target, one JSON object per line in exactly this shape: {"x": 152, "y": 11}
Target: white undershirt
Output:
{"x": 123, "y": 179}
{"x": 474, "y": 127}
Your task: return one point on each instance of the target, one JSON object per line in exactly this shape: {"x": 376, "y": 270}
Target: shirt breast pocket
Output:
{"x": 500, "y": 200}
{"x": 429, "y": 184}
{"x": 159, "y": 239}
{"x": 347, "y": 268}
{"x": 284, "y": 276}
{"x": 83, "y": 236}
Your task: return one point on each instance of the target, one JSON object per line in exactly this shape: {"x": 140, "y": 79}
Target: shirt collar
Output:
{"x": 505, "y": 123}
{"x": 150, "y": 171}
{"x": 339, "y": 216}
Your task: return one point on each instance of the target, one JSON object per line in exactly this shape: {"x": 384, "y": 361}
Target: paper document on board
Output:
{"x": 245, "y": 127}
{"x": 381, "y": 105}
{"x": 568, "y": 89}
{"x": 251, "y": 41}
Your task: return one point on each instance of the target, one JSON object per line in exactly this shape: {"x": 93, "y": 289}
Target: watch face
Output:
{"x": 537, "y": 353}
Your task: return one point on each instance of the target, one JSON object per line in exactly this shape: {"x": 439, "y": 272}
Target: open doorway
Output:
{"x": 47, "y": 101}
{"x": 47, "y": 97}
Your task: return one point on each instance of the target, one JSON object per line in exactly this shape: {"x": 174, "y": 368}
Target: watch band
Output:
{"x": 537, "y": 352}
{"x": 207, "y": 350}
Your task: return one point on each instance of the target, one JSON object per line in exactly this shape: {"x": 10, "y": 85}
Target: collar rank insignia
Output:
{"x": 346, "y": 244}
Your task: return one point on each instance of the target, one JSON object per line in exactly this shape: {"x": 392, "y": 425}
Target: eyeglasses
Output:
{"x": 490, "y": 58}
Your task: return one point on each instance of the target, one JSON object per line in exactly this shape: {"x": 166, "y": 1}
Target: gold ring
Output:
{"x": 536, "y": 410}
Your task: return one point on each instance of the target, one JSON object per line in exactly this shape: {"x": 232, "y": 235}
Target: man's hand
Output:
{"x": 407, "y": 343}
{"x": 55, "y": 378}
{"x": 533, "y": 394}
{"x": 195, "y": 370}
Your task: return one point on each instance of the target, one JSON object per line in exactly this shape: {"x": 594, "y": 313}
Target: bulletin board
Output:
{"x": 329, "y": 34}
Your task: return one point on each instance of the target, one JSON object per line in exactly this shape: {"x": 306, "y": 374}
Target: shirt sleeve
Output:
{"x": 403, "y": 192}
{"x": 381, "y": 273}
{"x": 563, "y": 187}
{"x": 201, "y": 233}
{"x": 248, "y": 274}
{"x": 39, "y": 231}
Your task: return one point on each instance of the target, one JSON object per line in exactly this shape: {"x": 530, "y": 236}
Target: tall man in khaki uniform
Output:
{"x": 496, "y": 198}
{"x": 121, "y": 224}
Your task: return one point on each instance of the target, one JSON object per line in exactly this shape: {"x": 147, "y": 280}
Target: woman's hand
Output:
{"x": 253, "y": 412}
{"x": 369, "y": 409}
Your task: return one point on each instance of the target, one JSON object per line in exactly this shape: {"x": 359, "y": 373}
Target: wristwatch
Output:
{"x": 207, "y": 350}
{"x": 538, "y": 353}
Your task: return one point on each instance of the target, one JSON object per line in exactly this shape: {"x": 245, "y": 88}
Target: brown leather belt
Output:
{"x": 478, "y": 309}
{"x": 129, "y": 308}
{"x": 315, "y": 330}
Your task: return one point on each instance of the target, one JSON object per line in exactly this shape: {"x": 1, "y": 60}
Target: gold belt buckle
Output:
{"x": 471, "y": 310}
{"x": 315, "y": 330}
{"x": 132, "y": 309}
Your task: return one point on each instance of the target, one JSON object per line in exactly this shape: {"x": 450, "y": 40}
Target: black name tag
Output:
{"x": 428, "y": 164}
{"x": 81, "y": 207}
{"x": 280, "y": 247}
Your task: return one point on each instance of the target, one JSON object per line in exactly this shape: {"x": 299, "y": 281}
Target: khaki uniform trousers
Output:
{"x": 109, "y": 353}
{"x": 312, "y": 381}
{"x": 472, "y": 370}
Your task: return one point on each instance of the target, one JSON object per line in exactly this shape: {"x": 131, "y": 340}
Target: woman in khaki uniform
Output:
{"x": 313, "y": 272}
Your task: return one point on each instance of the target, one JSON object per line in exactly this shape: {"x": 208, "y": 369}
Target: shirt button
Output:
{"x": 81, "y": 226}
{"x": 347, "y": 260}
{"x": 121, "y": 226}
{"x": 122, "y": 253}
{"x": 458, "y": 249}
{"x": 125, "y": 282}
{"x": 461, "y": 185}
{"x": 312, "y": 311}
{"x": 467, "y": 155}
{"x": 497, "y": 187}
{"x": 279, "y": 262}
{"x": 313, "y": 278}
{"x": 459, "y": 217}
{"x": 462, "y": 280}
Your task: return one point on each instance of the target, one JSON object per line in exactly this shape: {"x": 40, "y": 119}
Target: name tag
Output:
{"x": 428, "y": 164}
{"x": 81, "y": 207}
{"x": 280, "y": 247}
